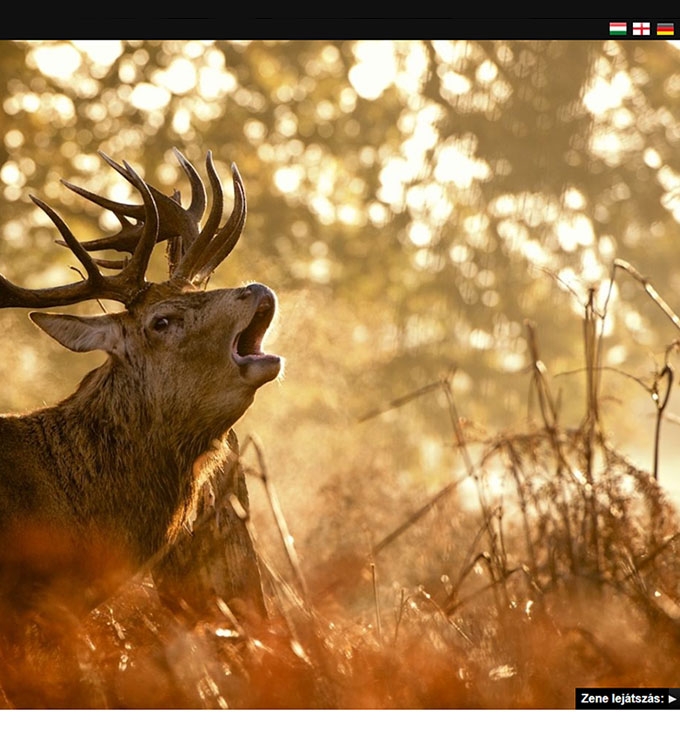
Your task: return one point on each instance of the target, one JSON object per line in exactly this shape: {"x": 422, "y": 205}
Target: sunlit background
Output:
{"x": 413, "y": 204}
{"x": 440, "y": 221}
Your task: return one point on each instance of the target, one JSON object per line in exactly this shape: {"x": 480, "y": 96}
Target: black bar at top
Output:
{"x": 461, "y": 28}
{"x": 490, "y": 28}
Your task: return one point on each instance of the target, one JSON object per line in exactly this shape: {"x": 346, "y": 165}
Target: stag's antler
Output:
{"x": 158, "y": 218}
{"x": 174, "y": 220}
{"x": 199, "y": 252}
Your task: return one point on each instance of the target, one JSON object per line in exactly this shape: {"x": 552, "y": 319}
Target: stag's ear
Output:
{"x": 82, "y": 334}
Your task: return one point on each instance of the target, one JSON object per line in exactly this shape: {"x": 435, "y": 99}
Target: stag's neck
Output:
{"x": 114, "y": 407}
{"x": 133, "y": 469}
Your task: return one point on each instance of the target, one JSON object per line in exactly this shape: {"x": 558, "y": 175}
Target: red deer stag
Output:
{"x": 91, "y": 488}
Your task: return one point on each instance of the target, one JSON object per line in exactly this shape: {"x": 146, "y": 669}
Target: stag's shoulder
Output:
{"x": 25, "y": 466}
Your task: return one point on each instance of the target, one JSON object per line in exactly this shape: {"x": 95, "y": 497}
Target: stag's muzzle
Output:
{"x": 256, "y": 366}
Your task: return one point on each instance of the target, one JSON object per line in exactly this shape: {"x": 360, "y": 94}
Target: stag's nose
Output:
{"x": 259, "y": 290}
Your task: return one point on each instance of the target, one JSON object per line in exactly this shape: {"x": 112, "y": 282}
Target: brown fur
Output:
{"x": 91, "y": 488}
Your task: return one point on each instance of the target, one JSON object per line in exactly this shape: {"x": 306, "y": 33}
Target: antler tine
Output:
{"x": 126, "y": 239}
{"x": 12, "y": 295}
{"x": 70, "y": 240}
{"x": 174, "y": 220}
{"x": 122, "y": 287}
{"x": 213, "y": 246}
{"x": 198, "y": 198}
{"x": 136, "y": 267}
{"x": 197, "y": 206}
{"x": 174, "y": 250}
{"x": 223, "y": 243}
{"x": 120, "y": 209}
{"x": 187, "y": 264}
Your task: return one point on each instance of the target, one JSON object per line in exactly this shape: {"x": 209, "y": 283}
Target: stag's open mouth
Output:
{"x": 246, "y": 350}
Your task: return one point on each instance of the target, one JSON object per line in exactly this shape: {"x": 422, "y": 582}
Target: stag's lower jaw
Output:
{"x": 258, "y": 368}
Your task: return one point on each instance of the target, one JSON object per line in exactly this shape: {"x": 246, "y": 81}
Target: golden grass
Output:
{"x": 568, "y": 576}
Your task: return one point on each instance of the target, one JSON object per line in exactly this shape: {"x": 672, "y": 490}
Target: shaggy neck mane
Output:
{"x": 122, "y": 451}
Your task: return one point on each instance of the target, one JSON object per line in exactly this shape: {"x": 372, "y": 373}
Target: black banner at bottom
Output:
{"x": 627, "y": 698}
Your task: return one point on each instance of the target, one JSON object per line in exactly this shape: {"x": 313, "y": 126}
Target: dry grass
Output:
{"x": 564, "y": 577}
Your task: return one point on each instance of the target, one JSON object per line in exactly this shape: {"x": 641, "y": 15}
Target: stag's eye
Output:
{"x": 160, "y": 324}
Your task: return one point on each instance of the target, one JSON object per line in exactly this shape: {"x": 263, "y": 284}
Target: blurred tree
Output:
{"x": 426, "y": 196}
